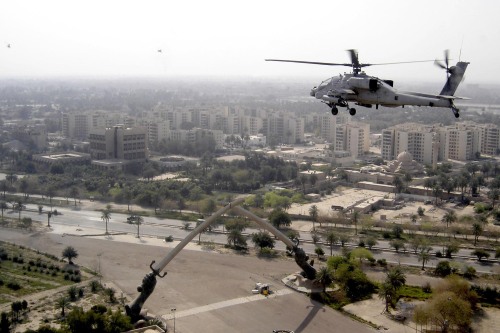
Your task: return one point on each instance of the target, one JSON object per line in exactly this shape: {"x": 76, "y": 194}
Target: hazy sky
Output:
{"x": 232, "y": 38}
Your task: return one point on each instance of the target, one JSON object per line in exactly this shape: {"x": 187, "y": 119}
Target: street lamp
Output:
{"x": 173, "y": 311}
{"x": 49, "y": 215}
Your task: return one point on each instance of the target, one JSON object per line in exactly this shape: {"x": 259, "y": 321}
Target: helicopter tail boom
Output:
{"x": 454, "y": 79}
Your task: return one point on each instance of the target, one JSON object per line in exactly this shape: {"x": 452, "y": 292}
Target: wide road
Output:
{"x": 211, "y": 292}
{"x": 161, "y": 228}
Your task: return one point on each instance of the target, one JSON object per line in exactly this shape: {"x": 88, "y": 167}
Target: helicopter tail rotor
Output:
{"x": 446, "y": 64}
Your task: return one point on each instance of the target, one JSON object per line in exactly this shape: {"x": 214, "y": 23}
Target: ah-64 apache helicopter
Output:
{"x": 366, "y": 91}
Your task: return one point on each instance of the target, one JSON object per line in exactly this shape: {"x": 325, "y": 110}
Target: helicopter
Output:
{"x": 365, "y": 90}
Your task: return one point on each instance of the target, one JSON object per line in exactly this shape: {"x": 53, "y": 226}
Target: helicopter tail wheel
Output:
{"x": 352, "y": 111}
{"x": 335, "y": 110}
{"x": 456, "y": 112}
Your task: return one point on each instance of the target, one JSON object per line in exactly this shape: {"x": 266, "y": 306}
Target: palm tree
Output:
{"x": 394, "y": 280}
{"x": 324, "y": 277}
{"x": 313, "y": 212}
{"x": 106, "y": 216}
{"x": 62, "y": 303}
{"x": 331, "y": 239}
{"x": 70, "y": 253}
{"x": 449, "y": 218}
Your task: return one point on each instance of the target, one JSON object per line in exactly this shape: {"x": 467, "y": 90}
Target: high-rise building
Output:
{"x": 353, "y": 137}
{"x": 417, "y": 139}
{"x": 118, "y": 142}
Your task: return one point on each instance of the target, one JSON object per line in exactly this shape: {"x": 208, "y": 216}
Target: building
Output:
{"x": 118, "y": 143}
{"x": 353, "y": 137}
{"x": 76, "y": 125}
{"x": 490, "y": 141}
{"x": 460, "y": 142}
{"x": 32, "y": 134}
{"x": 421, "y": 141}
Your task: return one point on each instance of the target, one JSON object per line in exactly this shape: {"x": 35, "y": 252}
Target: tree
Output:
{"x": 447, "y": 311}
{"x": 443, "y": 268}
{"x": 397, "y": 244}
{"x": 279, "y": 218}
{"x": 236, "y": 238}
{"x": 420, "y": 211}
{"x": 26, "y": 222}
{"x": 313, "y": 212}
{"x": 355, "y": 217}
{"x": 344, "y": 239}
{"x": 263, "y": 239}
{"x": 19, "y": 207}
{"x": 398, "y": 184}
{"x": 208, "y": 206}
{"x": 3, "y": 206}
{"x": 331, "y": 239}
{"x": 319, "y": 251}
{"x": 424, "y": 255}
{"x": 106, "y": 216}
{"x": 371, "y": 242}
{"x": 449, "y": 218}
{"x": 361, "y": 253}
{"x": 69, "y": 252}
{"x": 138, "y": 220}
{"x": 394, "y": 280}
{"x": 493, "y": 195}
{"x": 62, "y": 303}
{"x": 324, "y": 277}
{"x": 4, "y": 323}
{"x": 451, "y": 248}
{"x": 75, "y": 193}
{"x": 477, "y": 230}
{"x": 480, "y": 253}
{"x": 397, "y": 231}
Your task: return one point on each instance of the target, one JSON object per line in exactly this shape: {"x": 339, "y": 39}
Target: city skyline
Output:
{"x": 227, "y": 39}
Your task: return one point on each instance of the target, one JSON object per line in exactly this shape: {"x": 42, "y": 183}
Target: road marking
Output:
{"x": 224, "y": 304}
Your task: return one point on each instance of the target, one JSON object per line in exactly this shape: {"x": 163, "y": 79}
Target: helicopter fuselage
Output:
{"x": 366, "y": 91}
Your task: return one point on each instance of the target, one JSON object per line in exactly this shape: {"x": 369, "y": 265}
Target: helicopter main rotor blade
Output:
{"x": 310, "y": 62}
{"x": 397, "y": 63}
{"x": 354, "y": 58}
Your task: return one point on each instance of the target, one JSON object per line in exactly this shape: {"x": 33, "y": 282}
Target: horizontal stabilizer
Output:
{"x": 452, "y": 97}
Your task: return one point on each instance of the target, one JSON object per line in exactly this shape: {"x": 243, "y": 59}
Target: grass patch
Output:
{"x": 414, "y": 292}
{"x": 24, "y": 271}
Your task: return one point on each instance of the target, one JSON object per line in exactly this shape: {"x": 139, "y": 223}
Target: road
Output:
{"x": 77, "y": 216}
{"x": 211, "y": 291}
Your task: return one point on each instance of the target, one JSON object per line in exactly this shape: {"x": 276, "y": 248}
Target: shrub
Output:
{"x": 14, "y": 286}
{"x": 443, "y": 268}
{"x": 382, "y": 262}
{"x": 426, "y": 288}
{"x": 469, "y": 272}
{"x": 386, "y": 235}
{"x": 169, "y": 238}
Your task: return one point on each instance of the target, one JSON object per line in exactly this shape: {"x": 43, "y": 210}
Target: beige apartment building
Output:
{"x": 429, "y": 144}
{"x": 354, "y": 138}
{"x": 118, "y": 143}
{"x": 421, "y": 141}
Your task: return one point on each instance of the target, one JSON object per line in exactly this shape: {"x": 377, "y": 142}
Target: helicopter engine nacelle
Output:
{"x": 364, "y": 83}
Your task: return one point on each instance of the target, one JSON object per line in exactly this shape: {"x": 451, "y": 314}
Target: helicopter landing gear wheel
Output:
{"x": 456, "y": 112}
{"x": 457, "y": 115}
{"x": 352, "y": 111}
{"x": 335, "y": 110}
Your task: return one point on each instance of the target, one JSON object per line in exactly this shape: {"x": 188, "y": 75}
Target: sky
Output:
{"x": 53, "y": 38}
